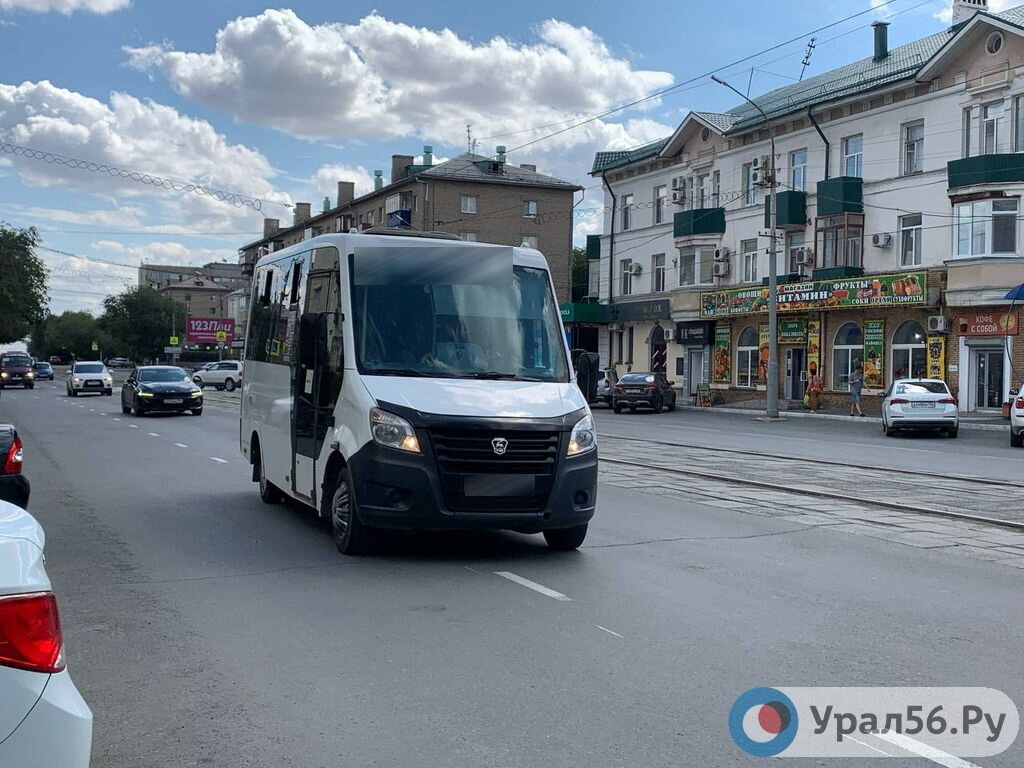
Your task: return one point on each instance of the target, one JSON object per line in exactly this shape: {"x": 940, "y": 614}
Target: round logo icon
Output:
{"x": 763, "y": 722}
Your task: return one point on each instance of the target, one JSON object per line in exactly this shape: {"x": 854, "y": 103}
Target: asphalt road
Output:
{"x": 206, "y": 628}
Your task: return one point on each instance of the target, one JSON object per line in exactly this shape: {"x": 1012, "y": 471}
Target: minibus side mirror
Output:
{"x": 309, "y": 336}
{"x": 1014, "y": 392}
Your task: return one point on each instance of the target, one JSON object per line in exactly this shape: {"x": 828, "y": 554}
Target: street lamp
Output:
{"x": 772, "y": 394}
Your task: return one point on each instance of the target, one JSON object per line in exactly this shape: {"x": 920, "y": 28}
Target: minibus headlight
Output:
{"x": 393, "y": 431}
{"x": 583, "y": 437}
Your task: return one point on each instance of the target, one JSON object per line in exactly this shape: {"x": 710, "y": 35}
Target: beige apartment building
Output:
{"x": 484, "y": 199}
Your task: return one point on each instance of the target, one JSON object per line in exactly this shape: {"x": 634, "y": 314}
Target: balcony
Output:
{"x": 838, "y": 273}
{"x": 985, "y": 169}
{"x": 700, "y": 221}
{"x": 843, "y": 194}
{"x": 792, "y": 213}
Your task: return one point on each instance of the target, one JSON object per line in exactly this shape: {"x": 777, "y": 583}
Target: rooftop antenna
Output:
{"x": 807, "y": 56}
{"x": 469, "y": 137}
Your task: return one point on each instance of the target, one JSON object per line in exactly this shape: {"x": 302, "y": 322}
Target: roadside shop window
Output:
{"x": 909, "y": 352}
{"x": 847, "y": 352}
{"x": 746, "y": 358}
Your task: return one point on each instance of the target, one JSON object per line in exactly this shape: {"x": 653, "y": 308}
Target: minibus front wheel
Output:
{"x": 351, "y": 537}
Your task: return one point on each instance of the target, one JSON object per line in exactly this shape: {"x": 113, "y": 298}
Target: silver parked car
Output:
{"x": 920, "y": 404}
{"x": 605, "y": 386}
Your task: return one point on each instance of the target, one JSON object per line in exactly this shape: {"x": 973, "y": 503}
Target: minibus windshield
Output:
{"x": 499, "y": 331}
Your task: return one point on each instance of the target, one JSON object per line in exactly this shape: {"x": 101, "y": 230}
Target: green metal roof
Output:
{"x": 605, "y": 160}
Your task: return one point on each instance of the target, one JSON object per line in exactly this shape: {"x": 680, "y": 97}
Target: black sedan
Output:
{"x": 14, "y": 486}
{"x": 650, "y": 390}
{"x": 43, "y": 370}
{"x": 153, "y": 388}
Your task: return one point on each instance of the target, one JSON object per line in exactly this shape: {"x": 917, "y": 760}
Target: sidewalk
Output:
{"x": 984, "y": 422}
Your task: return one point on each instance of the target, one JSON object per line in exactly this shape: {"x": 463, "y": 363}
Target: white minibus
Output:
{"x": 417, "y": 382}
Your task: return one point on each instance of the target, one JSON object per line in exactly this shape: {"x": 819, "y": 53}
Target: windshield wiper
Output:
{"x": 498, "y": 375}
{"x": 395, "y": 372}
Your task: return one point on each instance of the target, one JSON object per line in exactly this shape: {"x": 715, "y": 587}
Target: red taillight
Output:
{"x": 618, "y": 390}
{"x": 1019, "y": 404}
{"x": 15, "y": 457}
{"x": 650, "y": 390}
{"x": 948, "y": 401}
{"x": 30, "y": 635}
{"x": 898, "y": 401}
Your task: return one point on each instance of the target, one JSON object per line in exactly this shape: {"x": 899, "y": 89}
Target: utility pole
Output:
{"x": 807, "y": 57}
{"x": 772, "y": 388}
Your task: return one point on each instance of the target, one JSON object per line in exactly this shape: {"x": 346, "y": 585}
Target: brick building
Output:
{"x": 160, "y": 276}
{"x": 478, "y": 198}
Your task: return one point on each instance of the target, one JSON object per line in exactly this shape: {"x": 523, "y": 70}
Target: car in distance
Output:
{"x": 650, "y": 390}
{"x": 152, "y": 388}
{"x": 54, "y": 360}
{"x": 14, "y": 486}
{"x": 605, "y": 385}
{"x": 919, "y": 404}
{"x": 89, "y": 376}
{"x": 227, "y": 374}
{"x": 43, "y": 370}
{"x": 43, "y": 719}
{"x": 1016, "y": 418}
{"x": 119, "y": 362}
{"x": 16, "y": 370}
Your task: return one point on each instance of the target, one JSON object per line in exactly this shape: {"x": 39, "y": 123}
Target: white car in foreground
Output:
{"x": 1016, "y": 418}
{"x": 920, "y": 404}
{"x": 227, "y": 374}
{"x": 44, "y": 723}
{"x": 89, "y": 376}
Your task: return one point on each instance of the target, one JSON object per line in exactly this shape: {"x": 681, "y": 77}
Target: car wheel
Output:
{"x": 125, "y": 409}
{"x": 109, "y": 393}
{"x": 617, "y": 408}
{"x": 672, "y": 403}
{"x": 351, "y": 537}
{"x": 953, "y": 432}
{"x": 657, "y": 405}
{"x": 229, "y": 384}
{"x": 197, "y": 411}
{"x": 1016, "y": 438}
{"x": 632, "y": 409}
{"x": 139, "y": 411}
{"x": 30, "y": 386}
{"x": 74, "y": 393}
{"x": 566, "y": 539}
{"x": 886, "y": 429}
{"x": 269, "y": 493}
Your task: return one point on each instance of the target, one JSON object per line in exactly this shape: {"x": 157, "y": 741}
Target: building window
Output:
{"x": 716, "y": 187}
{"x": 798, "y": 172}
{"x": 530, "y": 209}
{"x": 703, "y": 192}
{"x": 994, "y": 43}
{"x": 847, "y": 353}
{"x": 968, "y": 122}
{"x": 794, "y": 244}
{"x": 909, "y": 353}
{"x": 392, "y": 203}
{"x": 747, "y": 356}
{"x": 749, "y": 250}
{"x": 1018, "y": 114}
{"x": 913, "y": 148}
{"x": 853, "y": 155}
{"x": 618, "y": 346}
{"x": 658, "y": 272}
{"x": 839, "y": 240}
{"x": 627, "y": 212}
{"x": 629, "y": 345}
{"x": 993, "y": 128}
{"x": 910, "y": 240}
{"x": 986, "y": 227}
{"x": 468, "y": 204}
{"x": 696, "y": 265}
{"x": 749, "y": 187}
{"x": 691, "y": 200}
{"x": 625, "y": 277}
{"x": 468, "y": 236}
{"x": 660, "y": 196}
{"x": 529, "y": 241}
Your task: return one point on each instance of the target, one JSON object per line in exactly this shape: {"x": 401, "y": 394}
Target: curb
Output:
{"x": 783, "y": 415}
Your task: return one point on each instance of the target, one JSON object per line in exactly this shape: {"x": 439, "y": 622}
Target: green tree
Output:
{"x": 23, "y": 297}
{"x": 580, "y": 274}
{"x": 139, "y": 321}
{"x": 69, "y": 334}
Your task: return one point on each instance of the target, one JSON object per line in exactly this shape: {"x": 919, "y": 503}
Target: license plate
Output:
{"x": 491, "y": 486}
{"x": 634, "y": 390}
{"x": 174, "y": 401}
{"x": 922, "y": 405}
{"x": 94, "y": 384}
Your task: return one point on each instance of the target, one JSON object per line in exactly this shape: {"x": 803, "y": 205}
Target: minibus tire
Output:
{"x": 269, "y": 493}
{"x": 350, "y": 536}
{"x": 566, "y": 539}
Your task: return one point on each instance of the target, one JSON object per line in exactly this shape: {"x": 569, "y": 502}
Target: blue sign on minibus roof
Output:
{"x": 432, "y": 265}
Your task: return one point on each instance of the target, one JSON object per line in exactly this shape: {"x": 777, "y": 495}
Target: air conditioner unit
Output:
{"x": 881, "y": 240}
{"x": 721, "y": 254}
{"x": 805, "y": 256}
{"x": 679, "y": 196}
{"x": 721, "y": 269}
{"x": 636, "y": 268}
{"x": 937, "y": 324}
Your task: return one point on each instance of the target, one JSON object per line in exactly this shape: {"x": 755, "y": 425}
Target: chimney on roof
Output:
{"x": 378, "y": 180}
{"x": 398, "y": 165}
{"x": 964, "y": 10}
{"x": 346, "y": 192}
{"x": 528, "y": 167}
{"x": 302, "y": 213}
{"x": 327, "y": 204}
{"x": 881, "y": 40}
{"x": 500, "y": 153}
{"x": 428, "y": 154}
{"x": 270, "y": 227}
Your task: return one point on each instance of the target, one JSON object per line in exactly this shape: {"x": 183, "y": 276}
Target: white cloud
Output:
{"x": 325, "y": 180}
{"x": 66, "y": 7}
{"x": 167, "y": 252}
{"x": 380, "y": 78}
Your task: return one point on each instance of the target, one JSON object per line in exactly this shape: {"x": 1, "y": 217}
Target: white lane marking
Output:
{"x": 605, "y": 629}
{"x": 923, "y": 750}
{"x": 92, "y": 410}
{"x": 116, "y": 418}
{"x": 35, "y": 397}
{"x": 180, "y": 445}
{"x": 134, "y": 426}
{"x": 219, "y": 461}
{"x": 869, "y": 746}
{"x": 533, "y": 585}
{"x": 153, "y": 434}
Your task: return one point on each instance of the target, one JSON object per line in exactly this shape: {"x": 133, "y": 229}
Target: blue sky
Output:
{"x": 278, "y": 104}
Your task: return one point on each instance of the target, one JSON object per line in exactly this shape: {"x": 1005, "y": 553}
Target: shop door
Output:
{"x": 695, "y": 370}
{"x": 988, "y": 374}
{"x": 795, "y": 373}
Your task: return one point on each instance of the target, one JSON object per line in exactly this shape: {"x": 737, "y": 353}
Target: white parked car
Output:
{"x": 605, "y": 385}
{"x": 43, "y": 720}
{"x": 920, "y": 404}
{"x": 1016, "y": 418}
{"x": 89, "y": 376}
{"x": 226, "y": 374}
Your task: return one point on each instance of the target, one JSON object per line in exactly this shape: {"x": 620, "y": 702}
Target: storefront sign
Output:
{"x": 583, "y": 313}
{"x": 874, "y": 354}
{"x": 722, "y": 360}
{"x": 792, "y": 331}
{"x": 203, "y": 330}
{"x": 764, "y": 348}
{"x": 693, "y": 333}
{"x": 876, "y": 290}
{"x": 814, "y": 347}
{"x": 988, "y": 324}
{"x": 704, "y": 395}
{"x": 639, "y": 310}
{"x": 937, "y": 357}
